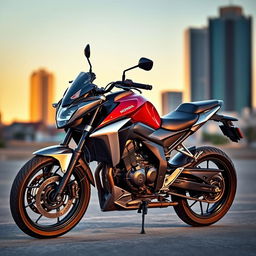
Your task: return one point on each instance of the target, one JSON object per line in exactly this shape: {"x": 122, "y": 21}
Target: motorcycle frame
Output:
{"x": 160, "y": 142}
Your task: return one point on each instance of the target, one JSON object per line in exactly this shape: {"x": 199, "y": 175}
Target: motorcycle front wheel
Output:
{"x": 216, "y": 205}
{"x": 32, "y": 202}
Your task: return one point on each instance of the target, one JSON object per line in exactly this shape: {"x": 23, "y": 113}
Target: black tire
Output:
{"x": 24, "y": 214}
{"x": 219, "y": 208}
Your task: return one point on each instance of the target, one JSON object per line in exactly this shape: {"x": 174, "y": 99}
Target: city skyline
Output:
{"x": 218, "y": 60}
{"x": 231, "y": 58}
{"x": 197, "y": 80}
{"x": 48, "y": 36}
{"x": 41, "y": 97}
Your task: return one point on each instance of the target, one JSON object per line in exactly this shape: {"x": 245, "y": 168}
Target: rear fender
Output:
{"x": 228, "y": 128}
{"x": 63, "y": 155}
{"x": 180, "y": 159}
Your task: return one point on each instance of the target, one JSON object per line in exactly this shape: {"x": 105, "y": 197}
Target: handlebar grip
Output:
{"x": 138, "y": 85}
{"x": 143, "y": 86}
{"x": 148, "y": 86}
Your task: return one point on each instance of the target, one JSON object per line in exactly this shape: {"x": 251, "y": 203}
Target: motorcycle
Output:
{"x": 132, "y": 145}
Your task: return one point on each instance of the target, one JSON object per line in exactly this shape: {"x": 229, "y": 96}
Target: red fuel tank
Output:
{"x": 137, "y": 108}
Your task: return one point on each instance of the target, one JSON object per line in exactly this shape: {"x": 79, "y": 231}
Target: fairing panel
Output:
{"x": 148, "y": 115}
{"x": 135, "y": 107}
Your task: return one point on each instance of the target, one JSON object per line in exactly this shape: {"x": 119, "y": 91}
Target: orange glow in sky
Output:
{"x": 52, "y": 35}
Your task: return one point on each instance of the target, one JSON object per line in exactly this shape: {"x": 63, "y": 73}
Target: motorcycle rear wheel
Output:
{"x": 196, "y": 213}
{"x": 37, "y": 215}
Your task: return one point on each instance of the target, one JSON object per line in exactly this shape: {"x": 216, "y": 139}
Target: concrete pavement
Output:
{"x": 117, "y": 233}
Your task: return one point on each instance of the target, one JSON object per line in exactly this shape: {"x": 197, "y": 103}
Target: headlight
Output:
{"x": 64, "y": 115}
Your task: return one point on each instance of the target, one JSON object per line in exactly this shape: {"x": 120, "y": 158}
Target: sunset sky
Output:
{"x": 52, "y": 34}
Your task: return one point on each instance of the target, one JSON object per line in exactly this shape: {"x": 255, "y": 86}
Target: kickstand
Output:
{"x": 144, "y": 209}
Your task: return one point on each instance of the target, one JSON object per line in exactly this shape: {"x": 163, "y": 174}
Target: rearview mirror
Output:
{"x": 87, "y": 51}
{"x": 145, "y": 64}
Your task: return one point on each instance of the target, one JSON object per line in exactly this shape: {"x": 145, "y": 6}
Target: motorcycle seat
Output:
{"x": 198, "y": 107}
{"x": 178, "y": 120}
{"x": 186, "y": 114}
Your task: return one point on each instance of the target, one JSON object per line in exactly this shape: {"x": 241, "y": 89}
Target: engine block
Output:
{"x": 138, "y": 173}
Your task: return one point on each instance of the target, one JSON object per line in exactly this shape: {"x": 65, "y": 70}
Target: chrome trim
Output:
{"x": 111, "y": 132}
{"x": 103, "y": 97}
{"x": 184, "y": 150}
{"x": 169, "y": 179}
{"x": 205, "y": 116}
{"x": 87, "y": 127}
{"x": 60, "y": 153}
{"x": 197, "y": 154}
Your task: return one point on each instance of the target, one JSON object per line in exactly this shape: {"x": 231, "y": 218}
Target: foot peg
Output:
{"x": 144, "y": 210}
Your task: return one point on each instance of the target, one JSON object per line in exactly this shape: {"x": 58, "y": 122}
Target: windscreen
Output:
{"x": 80, "y": 86}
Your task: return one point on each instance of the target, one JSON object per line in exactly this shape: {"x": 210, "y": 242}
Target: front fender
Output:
{"x": 64, "y": 155}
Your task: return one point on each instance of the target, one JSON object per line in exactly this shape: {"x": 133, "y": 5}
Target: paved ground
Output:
{"x": 117, "y": 233}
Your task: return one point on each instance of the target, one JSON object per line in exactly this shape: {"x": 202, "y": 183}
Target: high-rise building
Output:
{"x": 170, "y": 101}
{"x": 41, "y": 97}
{"x": 230, "y": 43}
{"x": 197, "y": 84}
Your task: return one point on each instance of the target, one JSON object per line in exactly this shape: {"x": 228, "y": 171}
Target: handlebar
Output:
{"x": 130, "y": 83}
{"x": 127, "y": 83}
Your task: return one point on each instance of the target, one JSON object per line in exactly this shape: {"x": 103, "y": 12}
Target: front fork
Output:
{"x": 76, "y": 155}
{"x": 73, "y": 161}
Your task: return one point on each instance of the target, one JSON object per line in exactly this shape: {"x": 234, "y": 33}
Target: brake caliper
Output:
{"x": 73, "y": 189}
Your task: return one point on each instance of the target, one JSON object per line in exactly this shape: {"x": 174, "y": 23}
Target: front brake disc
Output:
{"x": 32, "y": 190}
{"x": 45, "y": 206}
